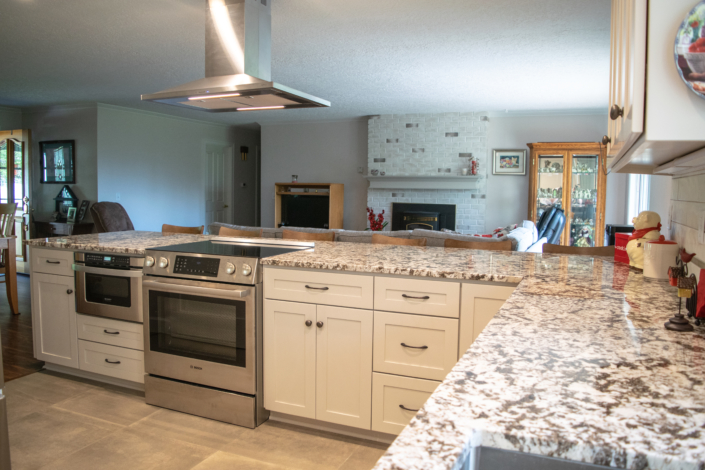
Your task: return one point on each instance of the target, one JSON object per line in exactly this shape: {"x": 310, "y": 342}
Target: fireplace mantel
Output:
{"x": 423, "y": 182}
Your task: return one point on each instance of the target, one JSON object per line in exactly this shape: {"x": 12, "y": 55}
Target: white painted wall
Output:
{"x": 688, "y": 202}
{"x": 77, "y": 123}
{"x": 10, "y": 118}
{"x": 319, "y": 152}
{"x": 507, "y": 201}
{"x": 157, "y": 165}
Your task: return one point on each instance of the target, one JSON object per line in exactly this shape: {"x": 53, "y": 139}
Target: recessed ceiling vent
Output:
{"x": 238, "y": 64}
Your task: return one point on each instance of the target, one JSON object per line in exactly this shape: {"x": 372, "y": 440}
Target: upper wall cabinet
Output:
{"x": 654, "y": 117}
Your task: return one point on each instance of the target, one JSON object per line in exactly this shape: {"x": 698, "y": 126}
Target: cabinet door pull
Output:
{"x": 616, "y": 112}
{"x": 112, "y": 362}
{"x": 407, "y": 409}
{"x": 309, "y": 323}
{"x": 319, "y": 324}
{"x": 111, "y": 332}
{"x": 53, "y": 262}
{"x": 316, "y": 288}
{"x": 425, "y": 297}
{"x": 69, "y": 291}
{"x": 414, "y": 347}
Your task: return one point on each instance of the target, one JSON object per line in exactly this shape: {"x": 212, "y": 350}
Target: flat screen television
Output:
{"x": 305, "y": 211}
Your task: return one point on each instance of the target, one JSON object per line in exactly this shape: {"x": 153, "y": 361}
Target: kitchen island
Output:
{"x": 576, "y": 367}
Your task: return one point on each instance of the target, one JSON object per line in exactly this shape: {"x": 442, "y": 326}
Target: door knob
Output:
{"x": 616, "y": 112}
{"x": 309, "y": 323}
{"x": 69, "y": 291}
{"x": 319, "y": 324}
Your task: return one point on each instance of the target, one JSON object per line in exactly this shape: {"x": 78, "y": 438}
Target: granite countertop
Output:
{"x": 130, "y": 242}
{"x": 576, "y": 365}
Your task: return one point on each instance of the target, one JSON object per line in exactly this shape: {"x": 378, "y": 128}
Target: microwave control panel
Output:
{"x": 107, "y": 261}
{"x": 197, "y": 266}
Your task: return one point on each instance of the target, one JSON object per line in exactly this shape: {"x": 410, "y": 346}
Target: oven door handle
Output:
{"x": 195, "y": 290}
{"x": 106, "y": 272}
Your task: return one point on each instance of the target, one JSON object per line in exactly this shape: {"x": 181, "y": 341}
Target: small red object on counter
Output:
{"x": 620, "y": 248}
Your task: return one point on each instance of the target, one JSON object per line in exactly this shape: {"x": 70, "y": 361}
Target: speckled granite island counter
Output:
{"x": 131, "y": 242}
{"x": 576, "y": 366}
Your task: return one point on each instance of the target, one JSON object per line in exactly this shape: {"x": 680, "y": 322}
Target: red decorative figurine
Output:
{"x": 377, "y": 222}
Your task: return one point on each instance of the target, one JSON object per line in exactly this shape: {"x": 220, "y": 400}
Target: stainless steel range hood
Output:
{"x": 238, "y": 64}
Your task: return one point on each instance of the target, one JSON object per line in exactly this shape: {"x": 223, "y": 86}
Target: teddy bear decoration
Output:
{"x": 647, "y": 226}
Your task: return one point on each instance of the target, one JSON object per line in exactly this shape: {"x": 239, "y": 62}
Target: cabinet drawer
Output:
{"x": 395, "y": 399}
{"x": 415, "y": 345}
{"x": 109, "y": 331}
{"x": 52, "y": 261}
{"x": 437, "y": 298}
{"x": 325, "y": 288}
{"x": 126, "y": 364}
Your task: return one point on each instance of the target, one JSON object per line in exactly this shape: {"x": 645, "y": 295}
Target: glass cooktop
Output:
{"x": 242, "y": 250}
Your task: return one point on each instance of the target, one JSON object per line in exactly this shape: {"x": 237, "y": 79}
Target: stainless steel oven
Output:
{"x": 201, "y": 332}
{"x": 109, "y": 286}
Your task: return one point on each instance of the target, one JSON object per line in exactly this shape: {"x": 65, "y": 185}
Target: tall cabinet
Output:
{"x": 571, "y": 176}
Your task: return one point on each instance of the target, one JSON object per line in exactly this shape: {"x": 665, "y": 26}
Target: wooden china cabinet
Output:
{"x": 571, "y": 176}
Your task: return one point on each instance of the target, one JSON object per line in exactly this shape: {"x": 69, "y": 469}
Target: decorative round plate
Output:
{"x": 690, "y": 49}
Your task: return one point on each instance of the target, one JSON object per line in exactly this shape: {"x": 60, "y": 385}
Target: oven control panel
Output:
{"x": 197, "y": 266}
{"x": 107, "y": 261}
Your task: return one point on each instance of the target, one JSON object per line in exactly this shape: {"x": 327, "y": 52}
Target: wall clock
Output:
{"x": 690, "y": 49}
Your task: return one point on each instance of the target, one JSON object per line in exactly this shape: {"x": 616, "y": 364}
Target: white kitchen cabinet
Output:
{"x": 344, "y": 366}
{"x": 419, "y": 296}
{"x": 395, "y": 400}
{"x": 54, "y": 319}
{"x": 654, "y": 118}
{"x": 322, "y": 369}
{"x": 290, "y": 358}
{"x": 479, "y": 304}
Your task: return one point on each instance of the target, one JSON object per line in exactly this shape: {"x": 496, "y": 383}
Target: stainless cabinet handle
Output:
{"x": 316, "y": 288}
{"x": 425, "y": 297}
{"x": 112, "y": 362}
{"x": 319, "y": 324}
{"x": 53, "y": 262}
{"x": 69, "y": 291}
{"x": 111, "y": 332}
{"x": 309, "y": 323}
{"x": 407, "y": 409}
{"x": 414, "y": 347}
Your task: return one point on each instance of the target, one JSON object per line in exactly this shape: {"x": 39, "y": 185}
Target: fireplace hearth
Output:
{"x": 408, "y": 216}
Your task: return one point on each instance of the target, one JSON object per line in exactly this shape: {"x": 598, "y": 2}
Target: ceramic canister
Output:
{"x": 658, "y": 256}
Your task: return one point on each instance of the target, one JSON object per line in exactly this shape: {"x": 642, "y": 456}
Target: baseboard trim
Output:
{"x": 333, "y": 428}
{"x": 93, "y": 376}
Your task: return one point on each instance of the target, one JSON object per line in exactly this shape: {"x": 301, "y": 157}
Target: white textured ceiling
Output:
{"x": 365, "y": 56}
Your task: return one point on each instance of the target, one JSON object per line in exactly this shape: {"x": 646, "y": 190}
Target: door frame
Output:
{"x": 25, "y": 223}
{"x": 229, "y": 195}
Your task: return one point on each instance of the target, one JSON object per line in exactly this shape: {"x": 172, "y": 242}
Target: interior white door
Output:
{"x": 219, "y": 183}
{"x": 344, "y": 366}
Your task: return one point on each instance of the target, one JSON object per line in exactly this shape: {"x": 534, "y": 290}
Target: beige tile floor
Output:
{"x": 60, "y": 422}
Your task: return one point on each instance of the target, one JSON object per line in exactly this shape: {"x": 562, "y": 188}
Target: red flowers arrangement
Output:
{"x": 377, "y": 222}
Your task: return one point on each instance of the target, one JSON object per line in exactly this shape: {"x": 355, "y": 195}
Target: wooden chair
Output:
{"x": 7, "y": 228}
{"x": 176, "y": 229}
{"x": 317, "y": 237}
{"x": 578, "y": 250}
{"x": 505, "y": 245}
{"x": 378, "y": 239}
{"x": 231, "y": 232}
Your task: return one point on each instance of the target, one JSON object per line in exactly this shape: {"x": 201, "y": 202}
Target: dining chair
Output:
{"x": 378, "y": 239}
{"x": 231, "y": 232}
{"x": 505, "y": 245}
{"x": 7, "y": 226}
{"x": 166, "y": 228}
{"x": 310, "y": 236}
{"x": 579, "y": 250}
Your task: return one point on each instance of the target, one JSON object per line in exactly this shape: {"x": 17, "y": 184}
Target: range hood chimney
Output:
{"x": 238, "y": 64}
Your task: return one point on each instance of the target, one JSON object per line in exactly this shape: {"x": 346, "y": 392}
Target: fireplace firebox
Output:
{"x": 406, "y": 216}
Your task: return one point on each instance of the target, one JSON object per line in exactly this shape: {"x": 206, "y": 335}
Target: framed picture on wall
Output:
{"x": 57, "y": 161}
{"x": 508, "y": 162}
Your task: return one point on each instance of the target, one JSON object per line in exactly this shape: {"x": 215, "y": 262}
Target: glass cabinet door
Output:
{"x": 549, "y": 188}
{"x": 583, "y": 200}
